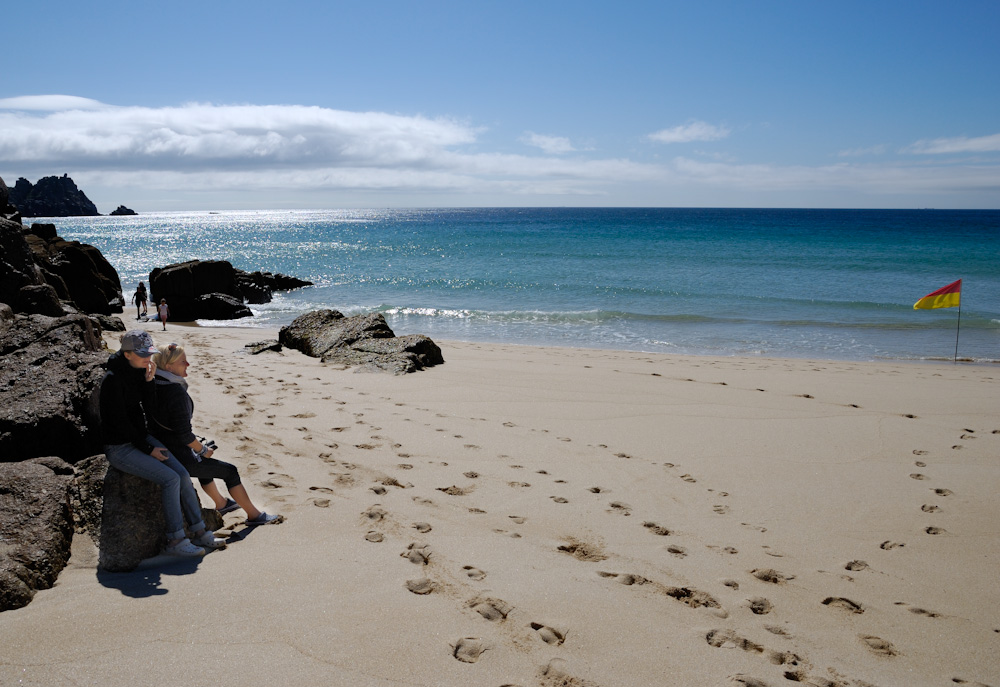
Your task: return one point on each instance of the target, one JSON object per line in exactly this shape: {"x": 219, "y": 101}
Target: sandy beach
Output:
{"x": 544, "y": 516}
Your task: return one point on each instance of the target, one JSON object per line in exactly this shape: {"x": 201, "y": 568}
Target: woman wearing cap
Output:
{"x": 127, "y": 387}
{"x": 170, "y": 422}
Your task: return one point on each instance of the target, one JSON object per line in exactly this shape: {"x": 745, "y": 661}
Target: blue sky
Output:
{"x": 232, "y": 105}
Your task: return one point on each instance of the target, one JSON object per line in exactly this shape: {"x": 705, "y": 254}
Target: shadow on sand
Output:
{"x": 146, "y": 579}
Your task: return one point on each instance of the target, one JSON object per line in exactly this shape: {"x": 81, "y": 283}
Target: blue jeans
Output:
{"x": 179, "y": 497}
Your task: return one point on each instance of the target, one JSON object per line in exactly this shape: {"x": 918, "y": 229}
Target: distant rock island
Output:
{"x": 55, "y": 197}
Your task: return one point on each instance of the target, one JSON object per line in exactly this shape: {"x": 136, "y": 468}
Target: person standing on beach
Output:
{"x": 139, "y": 298}
{"x": 163, "y": 311}
{"x": 128, "y": 388}
{"x": 170, "y": 422}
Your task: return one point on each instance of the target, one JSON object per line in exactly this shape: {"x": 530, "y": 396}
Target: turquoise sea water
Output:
{"x": 830, "y": 284}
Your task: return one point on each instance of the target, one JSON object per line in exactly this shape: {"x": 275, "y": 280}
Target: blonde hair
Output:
{"x": 168, "y": 355}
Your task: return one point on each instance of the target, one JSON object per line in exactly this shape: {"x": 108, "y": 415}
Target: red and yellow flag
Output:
{"x": 946, "y": 297}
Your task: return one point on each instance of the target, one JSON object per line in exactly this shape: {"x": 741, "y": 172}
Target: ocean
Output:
{"x": 826, "y": 284}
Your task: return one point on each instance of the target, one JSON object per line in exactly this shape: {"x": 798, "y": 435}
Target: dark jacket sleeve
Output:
{"x": 171, "y": 414}
{"x": 120, "y": 422}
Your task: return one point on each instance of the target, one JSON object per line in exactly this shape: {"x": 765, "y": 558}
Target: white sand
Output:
{"x": 615, "y": 507}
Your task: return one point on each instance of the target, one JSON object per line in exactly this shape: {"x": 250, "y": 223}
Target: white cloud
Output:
{"x": 864, "y": 152}
{"x": 553, "y": 145}
{"x": 693, "y": 131}
{"x": 961, "y": 144}
{"x": 50, "y": 103}
{"x": 272, "y": 154}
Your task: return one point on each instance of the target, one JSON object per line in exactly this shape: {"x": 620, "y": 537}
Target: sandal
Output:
{"x": 265, "y": 519}
{"x": 229, "y": 507}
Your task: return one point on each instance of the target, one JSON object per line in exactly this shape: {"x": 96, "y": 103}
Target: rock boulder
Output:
{"x": 51, "y": 367}
{"x": 77, "y": 271}
{"x": 35, "y": 530}
{"x": 363, "y": 340}
{"x": 51, "y": 197}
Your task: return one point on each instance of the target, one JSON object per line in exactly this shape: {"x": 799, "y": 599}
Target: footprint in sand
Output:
{"x": 518, "y": 484}
{"x": 421, "y": 586}
{"x": 473, "y": 572}
{"x": 418, "y": 554}
{"x": 934, "y": 530}
{"x": 518, "y": 519}
{"x": 843, "y": 603}
{"x": 582, "y": 551}
{"x": 375, "y": 513}
{"x": 374, "y": 537}
{"x": 943, "y": 492}
{"x": 320, "y": 503}
{"x": 879, "y": 646}
{"x": 494, "y": 610}
{"x": 771, "y": 575}
{"x": 550, "y": 635}
{"x": 454, "y": 490}
{"x": 688, "y": 478}
{"x": 656, "y": 529}
{"x": 917, "y": 475}
{"x": 559, "y": 499}
{"x": 730, "y": 640}
{"x": 471, "y": 474}
{"x": 924, "y": 612}
{"x": 468, "y": 649}
{"x": 620, "y": 507}
{"x": 889, "y": 545}
{"x": 759, "y": 605}
{"x": 856, "y": 565}
{"x": 928, "y": 508}
{"x": 720, "y": 509}
{"x": 422, "y": 527}
{"x": 678, "y": 551}
{"x": 746, "y": 680}
{"x": 624, "y": 578}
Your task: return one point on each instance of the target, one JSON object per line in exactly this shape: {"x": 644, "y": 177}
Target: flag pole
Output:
{"x": 958, "y": 327}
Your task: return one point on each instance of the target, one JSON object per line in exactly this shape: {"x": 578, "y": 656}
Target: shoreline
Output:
{"x": 580, "y": 516}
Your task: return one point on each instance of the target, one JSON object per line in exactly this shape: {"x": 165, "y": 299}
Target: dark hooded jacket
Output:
{"x": 124, "y": 391}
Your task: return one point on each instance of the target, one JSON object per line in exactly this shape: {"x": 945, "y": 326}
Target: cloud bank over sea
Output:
{"x": 284, "y": 151}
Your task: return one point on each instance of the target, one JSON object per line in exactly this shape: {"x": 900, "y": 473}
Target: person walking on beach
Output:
{"x": 163, "y": 311}
{"x": 128, "y": 388}
{"x": 139, "y": 298}
{"x": 170, "y": 422}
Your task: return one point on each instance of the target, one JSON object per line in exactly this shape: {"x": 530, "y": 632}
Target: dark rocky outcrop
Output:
{"x": 36, "y": 530}
{"x": 86, "y": 495}
{"x": 7, "y": 211}
{"x": 256, "y": 287}
{"x": 78, "y": 272}
{"x": 185, "y": 285}
{"x": 51, "y": 368}
{"x": 51, "y": 197}
{"x": 132, "y": 521}
{"x": 258, "y": 347}
{"x": 362, "y": 340}
{"x": 47, "y": 275}
{"x": 214, "y": 289}
{"x": 122, "y": 210}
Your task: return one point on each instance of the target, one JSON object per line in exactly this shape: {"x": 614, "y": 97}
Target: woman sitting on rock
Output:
{"x": 170, "y": 422}
{"x": 127, "y": 388}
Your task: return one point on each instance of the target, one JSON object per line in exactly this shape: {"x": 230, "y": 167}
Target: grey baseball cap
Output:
{"x": 139, "y": 342}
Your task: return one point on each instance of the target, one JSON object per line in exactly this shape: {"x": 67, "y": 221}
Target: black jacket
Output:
{"x": 124, "y": 390}
{"x": 170, "y": 415}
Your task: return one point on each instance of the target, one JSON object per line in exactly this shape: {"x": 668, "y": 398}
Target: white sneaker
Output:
{"x": 184, "y": 548}
{"x": 209, "y": 541}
